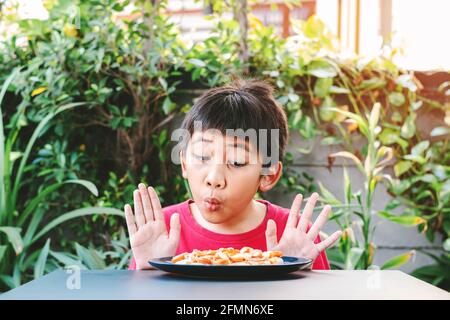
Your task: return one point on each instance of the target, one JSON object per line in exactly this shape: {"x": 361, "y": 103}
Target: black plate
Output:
{"x": 291, "y": 264}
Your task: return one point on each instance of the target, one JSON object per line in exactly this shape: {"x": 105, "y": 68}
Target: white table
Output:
{"x": 157, "y": 285}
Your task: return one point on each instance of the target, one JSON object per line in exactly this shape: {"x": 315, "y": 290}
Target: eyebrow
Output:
{"x": 235, "y": 144}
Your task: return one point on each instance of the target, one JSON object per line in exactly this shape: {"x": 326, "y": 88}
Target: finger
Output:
{"x": 295, "y": 210}
{"x": 156, "y": 204}
{"x": 148, "y": 210}
{"x": 271, "y": 234}
{"x": 131, "y": 224}
{"x": 319, "y": 223}
{"x": 138, "y": 209}
{"x": 306, "y": 215}
{"x": 328, "y": 241}
{"x": 175, "y": 227}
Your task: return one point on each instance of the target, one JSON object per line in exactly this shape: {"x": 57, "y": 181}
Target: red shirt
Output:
{"x": 194, "y": 236}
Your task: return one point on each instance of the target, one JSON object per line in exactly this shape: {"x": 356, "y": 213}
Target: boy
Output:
{"x": 224, "y": 171}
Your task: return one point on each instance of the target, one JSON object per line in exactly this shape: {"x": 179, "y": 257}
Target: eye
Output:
{"x": 238, "y": 165}
{"x": 202, "y": 158}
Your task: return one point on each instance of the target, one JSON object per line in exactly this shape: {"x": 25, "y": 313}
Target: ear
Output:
{"x": 270, "y": 179}
{"x": 183, "y": 164}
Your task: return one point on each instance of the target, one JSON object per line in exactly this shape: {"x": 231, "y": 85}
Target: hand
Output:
{"x": 147, "y": 229}
{"x": 295, "y": 241}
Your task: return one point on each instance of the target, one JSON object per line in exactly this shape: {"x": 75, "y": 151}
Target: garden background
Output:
{"x": 89, "y": 97}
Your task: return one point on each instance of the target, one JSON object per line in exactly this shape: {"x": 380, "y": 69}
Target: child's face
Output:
{"x": 226, "y": 168}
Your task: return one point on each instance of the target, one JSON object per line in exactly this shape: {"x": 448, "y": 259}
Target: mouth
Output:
{"x": 212, "y": 203}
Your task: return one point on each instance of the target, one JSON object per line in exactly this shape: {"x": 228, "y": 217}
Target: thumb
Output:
{"x": 175, "y": 227}
{"x": 271, "y": 234}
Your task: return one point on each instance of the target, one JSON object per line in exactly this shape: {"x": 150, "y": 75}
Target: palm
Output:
{"x": 296, "y": 244}
{"x": 297, "y": 240}
{"x": 151, "y": 240}
{"x": 147, "y": 228}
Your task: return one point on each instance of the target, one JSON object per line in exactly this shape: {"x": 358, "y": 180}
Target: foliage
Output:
{"x": 23, "y": 222}
{"x": 129, "y": 69}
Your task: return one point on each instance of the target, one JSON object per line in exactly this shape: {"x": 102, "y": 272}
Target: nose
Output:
{"x": 215, "y": 177}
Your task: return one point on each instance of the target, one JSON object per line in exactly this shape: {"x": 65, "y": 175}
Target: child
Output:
{"x": 224, "y": 172}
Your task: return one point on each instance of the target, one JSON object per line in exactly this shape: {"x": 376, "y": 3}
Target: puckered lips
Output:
{"x": 212, "y": 204}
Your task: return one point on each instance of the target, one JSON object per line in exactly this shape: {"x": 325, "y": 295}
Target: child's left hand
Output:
{"x": 295, "y": 241}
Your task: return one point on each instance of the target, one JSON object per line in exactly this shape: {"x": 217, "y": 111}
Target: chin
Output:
{"x": 213, "y": 217}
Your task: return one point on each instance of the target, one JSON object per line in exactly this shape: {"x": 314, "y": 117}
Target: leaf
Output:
{"x": 419, "y": 148}
{"x": 39, "y": 267}
{"x": 403, "y": 220}
{"x": 163, "y": 83}
{"x": 307, "y": 128}
{"x": 446, "y": 245}
{"x": 374, "y": 116}
{"x": 353, "y": 257}
{"x": 197, "y": 63}
{"x": 428, "y": 178}
{"x": 414, "y": 158}
{"x": 2, "y": 252}
{"x": 167, "y": 106}
{"x": 327, "y": 141}
{"x": 409, "y": 127}
{"x": 346, "y": 154}
{"x": 14, "y": 238}
{"x": 67, "y": 259}
{"x": 87, "y": 184}
{"x": 406, "y": 81}
{"x": 371, "y": 84}
{"x": 398, "y": 260}
{"x": 8, "y": 280}
{"x": 321, "y": 69}
{"x": 296, "y": 118}
{"x": 325, "y": 113}
{"x": 3, "y": 163}
{"x": 70, "y": 30}
{"x": 401, "y": 167}
{"x": 293, "y": 97}
{"x": 36, "y": 219}
{"x": 339, "y": 90}
{"x": 322, "y": 87}
{"x": 347, "y": 187}
{"x": 90, "y": 257}
{"x": 396, "y": 98}
{"x": 439, "y": 131}
{"x": 75, "y": 214}
{"x": 37, "y": 91}
{"x": 327, "y": 196}
{"x": 14, "y": 155}
{"x": 385, "y": 154}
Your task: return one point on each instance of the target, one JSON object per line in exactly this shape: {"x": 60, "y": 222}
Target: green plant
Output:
{"x": 22, "y": 221}
{"x": 354, "y": 253}
{"x": 438, "y": 273}
{"x": 117, "y": 257}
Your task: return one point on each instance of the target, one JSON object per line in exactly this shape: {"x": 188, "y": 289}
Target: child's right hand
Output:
{"x": 147, "y": 229}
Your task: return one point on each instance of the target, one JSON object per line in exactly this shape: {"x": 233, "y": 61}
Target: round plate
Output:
{"x": 291, "y": 264}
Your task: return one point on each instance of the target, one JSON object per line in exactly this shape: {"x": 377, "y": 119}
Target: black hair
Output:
{"x": 241, "y": 104}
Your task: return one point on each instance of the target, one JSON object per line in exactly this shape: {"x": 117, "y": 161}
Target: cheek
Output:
{"x": 244, "y": 180}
